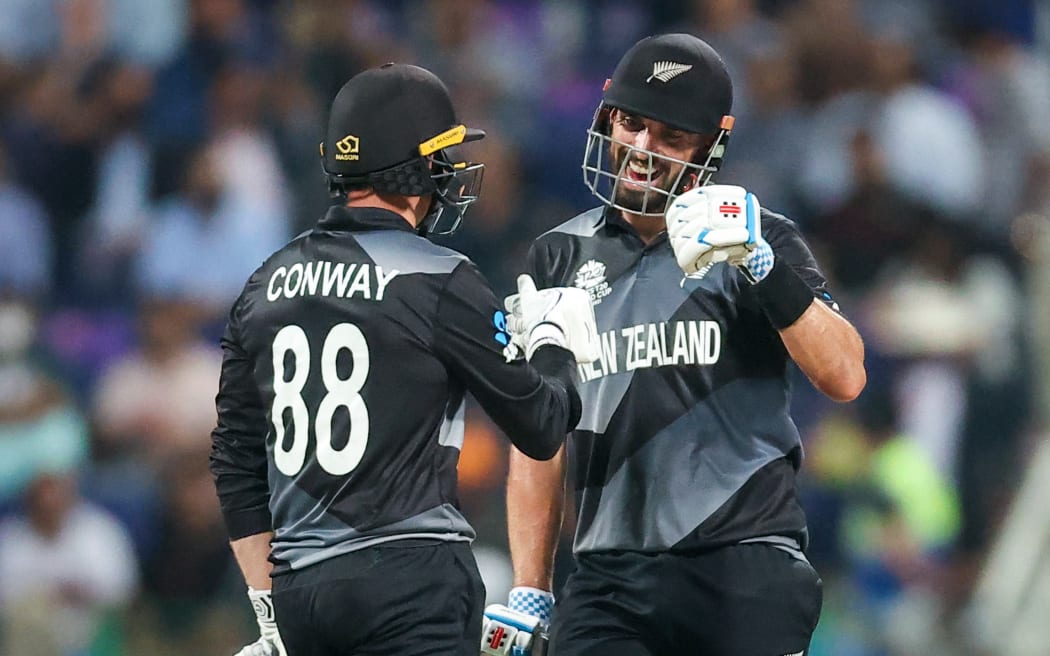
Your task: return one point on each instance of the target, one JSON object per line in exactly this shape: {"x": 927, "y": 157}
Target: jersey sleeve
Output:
{"x": 538, "y": 261}
{"x": 788, "y": 243}
{"x": 535, "y": 404}
{"x": 238, "y": 453}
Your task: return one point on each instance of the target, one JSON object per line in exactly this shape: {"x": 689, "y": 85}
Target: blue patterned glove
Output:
{"x": 719, "y": 223}
{"x": 517, "y": 631}
{"x": 757, "y": 263}
{"x": 532, "y": 601}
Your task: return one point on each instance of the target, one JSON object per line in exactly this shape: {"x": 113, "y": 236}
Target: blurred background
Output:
{"x": 154, "y": 152}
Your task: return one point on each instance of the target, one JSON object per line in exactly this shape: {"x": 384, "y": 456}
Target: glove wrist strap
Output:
{"x": 544, "y": 334}
{"x": 783, "y": 295}
{"x": 532, "y": 601}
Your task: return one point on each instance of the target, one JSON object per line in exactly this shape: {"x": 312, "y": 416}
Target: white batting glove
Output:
{"x": 521, "y": 628}
{"x": 562, "y": 316}
{"x": 718, "y": 223}
{"x": 269, "y": 642}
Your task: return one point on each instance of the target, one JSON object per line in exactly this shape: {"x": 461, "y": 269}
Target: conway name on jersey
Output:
{"x": 669, "y": 442}
{"x": 341, "y": 402}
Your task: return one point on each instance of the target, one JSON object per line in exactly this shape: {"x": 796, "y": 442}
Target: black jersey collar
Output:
{"x": 341, "y": 217}
{"x": 614, "y": 219}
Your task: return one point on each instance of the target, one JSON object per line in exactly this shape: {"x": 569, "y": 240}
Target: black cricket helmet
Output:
{"x": 392, "y": 128}
{"x": 676, "y": 79}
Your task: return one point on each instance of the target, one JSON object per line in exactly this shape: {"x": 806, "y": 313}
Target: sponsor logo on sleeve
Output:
{"x": 499, "y": 322}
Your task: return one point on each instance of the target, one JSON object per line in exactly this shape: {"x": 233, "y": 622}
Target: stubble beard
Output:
{"x": 635, "y": 199}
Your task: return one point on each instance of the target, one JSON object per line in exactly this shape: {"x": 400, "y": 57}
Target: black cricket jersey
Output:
{"x": 686, "y": 441}
{"x": 341, "y": 399}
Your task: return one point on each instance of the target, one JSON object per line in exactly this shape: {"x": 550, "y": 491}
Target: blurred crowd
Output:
{"x": 154, "y": 152}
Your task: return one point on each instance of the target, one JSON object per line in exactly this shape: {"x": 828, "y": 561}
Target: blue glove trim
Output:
{"x": 751, "y": 214}
{"x": 700, "y": 237}
{"x": 510, "y": 621}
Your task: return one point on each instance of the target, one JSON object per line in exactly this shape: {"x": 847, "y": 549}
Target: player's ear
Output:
{"x": 689, "y": 181}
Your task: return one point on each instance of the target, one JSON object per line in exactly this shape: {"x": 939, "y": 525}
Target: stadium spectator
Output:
{"x": 68, "y": 571}
{"x": 899, "y": 523}
{"x": 41, "y": 428}
{"x": 25, "y": 239}
{"x": 156, "y": 401}
{"x": 205, "y": 239}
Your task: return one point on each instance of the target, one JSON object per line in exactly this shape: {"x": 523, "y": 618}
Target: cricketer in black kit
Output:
{"x": 341, "y": 399}
{"x": 690, "y": 538}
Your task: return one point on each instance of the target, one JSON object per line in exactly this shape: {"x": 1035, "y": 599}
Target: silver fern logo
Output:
{"x": 667, "y": 70}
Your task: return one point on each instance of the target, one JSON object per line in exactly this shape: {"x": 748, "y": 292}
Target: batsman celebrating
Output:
{"x": 690, "y": 537}
{"x": 346, "y": 362}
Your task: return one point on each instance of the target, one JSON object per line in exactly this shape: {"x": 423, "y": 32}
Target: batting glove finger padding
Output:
{"x": 507, "y": 632}
{"x": 560, "y": 316}
{"x": 718, "y": 223}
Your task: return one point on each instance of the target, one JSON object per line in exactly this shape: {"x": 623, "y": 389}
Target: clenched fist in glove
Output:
{"x": 269, "y": 642}
{"x": 719, "y": 223}
{"x": 562, "y": 316}
{"x": 520, "y": 628}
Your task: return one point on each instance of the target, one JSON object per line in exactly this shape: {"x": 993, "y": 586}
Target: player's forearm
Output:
{"x": 535, "y": 509}
{"x": 829, "y": 351}
{"x": 253, "y": 557}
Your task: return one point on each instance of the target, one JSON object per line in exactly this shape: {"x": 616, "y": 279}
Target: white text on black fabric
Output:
{"x": 324, "y": 278}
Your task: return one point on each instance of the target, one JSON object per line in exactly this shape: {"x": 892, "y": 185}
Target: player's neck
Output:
{"x": 647, "y": 226}
{"x": 411, "y": 208}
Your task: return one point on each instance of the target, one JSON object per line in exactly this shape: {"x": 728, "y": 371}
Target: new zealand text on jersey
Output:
{"x": 656, "y": 345}
{"x": 342, "y": 279}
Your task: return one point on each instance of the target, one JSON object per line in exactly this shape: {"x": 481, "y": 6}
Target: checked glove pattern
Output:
{"x": 757, "y": 264}
{"x": 532, "y": 601}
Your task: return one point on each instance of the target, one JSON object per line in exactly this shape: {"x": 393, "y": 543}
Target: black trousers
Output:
{"x": 408, "y": 597}
{"x": 741, "y": 600}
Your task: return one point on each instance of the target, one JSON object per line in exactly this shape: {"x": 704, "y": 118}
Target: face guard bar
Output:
{"x": 604, "y": 178}
{"x": 458, "y": 186}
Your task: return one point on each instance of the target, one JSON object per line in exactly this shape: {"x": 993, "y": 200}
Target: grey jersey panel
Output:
{"x": 633, "y": 299}
{"x": 407, "y": 252}
{"x": 318, "y": 535}
{"x": 698, "y": 472}
{"x": 686, "y": 440}
{"x": 452, "y": 428}
{"x": 326, "y": 537}
{"x": 584, "y": 225}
